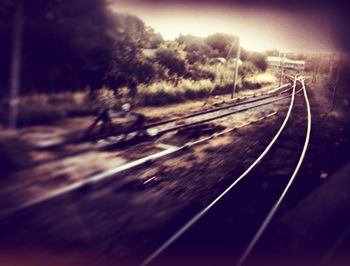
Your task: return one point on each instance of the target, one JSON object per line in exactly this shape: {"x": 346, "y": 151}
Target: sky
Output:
{"x": 259, "y": 29}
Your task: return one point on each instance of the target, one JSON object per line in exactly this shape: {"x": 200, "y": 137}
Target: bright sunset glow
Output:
{"x": 259, "y": 30}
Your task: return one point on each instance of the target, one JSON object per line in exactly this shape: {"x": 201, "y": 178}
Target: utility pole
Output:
{"x": 16, "y": 64}
{"x": 236, "y": 69}
{"x": 282, "y": 67}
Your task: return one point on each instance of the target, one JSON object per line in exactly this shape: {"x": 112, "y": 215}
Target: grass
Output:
{"x": 259, "y": 81}
{"x": 39, "y": 109}
{"x": 163, "y": 92}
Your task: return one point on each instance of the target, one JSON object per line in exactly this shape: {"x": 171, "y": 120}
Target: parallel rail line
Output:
{"x": 120, "y": 140}
{"x": 232, "y": 103}
{"x": 276, "y": 206}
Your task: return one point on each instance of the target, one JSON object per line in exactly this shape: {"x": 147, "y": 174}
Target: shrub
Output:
{"x": 247, "y": 69}
{"x": 258, "y": 81}
{"x": 163, "y": 92}
{"x": 197, "y": 74}
{"x": 258, "y": 59}
{"x": 172, "y": 59}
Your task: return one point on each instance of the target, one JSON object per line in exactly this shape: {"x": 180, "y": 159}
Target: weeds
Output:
{"x": 38, "y": 109}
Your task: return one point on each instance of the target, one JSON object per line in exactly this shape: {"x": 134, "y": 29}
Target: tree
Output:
{"x": 220, "y": 44}
{"x": 258, "y": 59}
{"x": 128, "y": 66}
{"x": 172, "y": 58}
{"x": 195, "y": 47}
{"x": 16, "y": 63}
{"x": 71, "y": 44}
{"x": 152, "y": 39}
{"x": 64, "y": 41}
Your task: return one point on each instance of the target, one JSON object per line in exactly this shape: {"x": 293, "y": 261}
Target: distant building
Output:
{"x": 298, "y": 65}
{"x": 275, "y": 62}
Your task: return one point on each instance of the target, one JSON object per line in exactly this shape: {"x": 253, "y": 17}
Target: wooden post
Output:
{"x": 236, "y": 69}
{"x": 16, "y": 64}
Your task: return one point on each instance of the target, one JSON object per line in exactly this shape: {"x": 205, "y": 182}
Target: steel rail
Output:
{"x": 199, "y": 215}
{"x": 233, "y": 104}
{"x": 174, "y": 128}
{"x": 222, "y": 115}
{"x": 275, "y": 207}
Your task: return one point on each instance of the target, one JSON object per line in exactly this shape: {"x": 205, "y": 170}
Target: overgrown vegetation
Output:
{"x": 74, "y": 46}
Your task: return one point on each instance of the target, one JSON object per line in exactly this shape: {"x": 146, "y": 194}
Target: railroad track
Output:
{"x": 130, "y": 137}
{"x": 187, "y": 122}
{"x": 215, "y": 113}
{"x": 239, "y": 219}
{"x": 234, "y": 103}
{"x": 116, "y": 136}
{"x": 96, "y": 179}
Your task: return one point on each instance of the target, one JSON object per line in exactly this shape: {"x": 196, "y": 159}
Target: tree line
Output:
{"x": 70, "y": 45}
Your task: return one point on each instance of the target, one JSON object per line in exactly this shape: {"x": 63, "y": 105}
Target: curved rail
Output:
{"x": 199, "y": 215}
{"x": 275, "y": 207}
